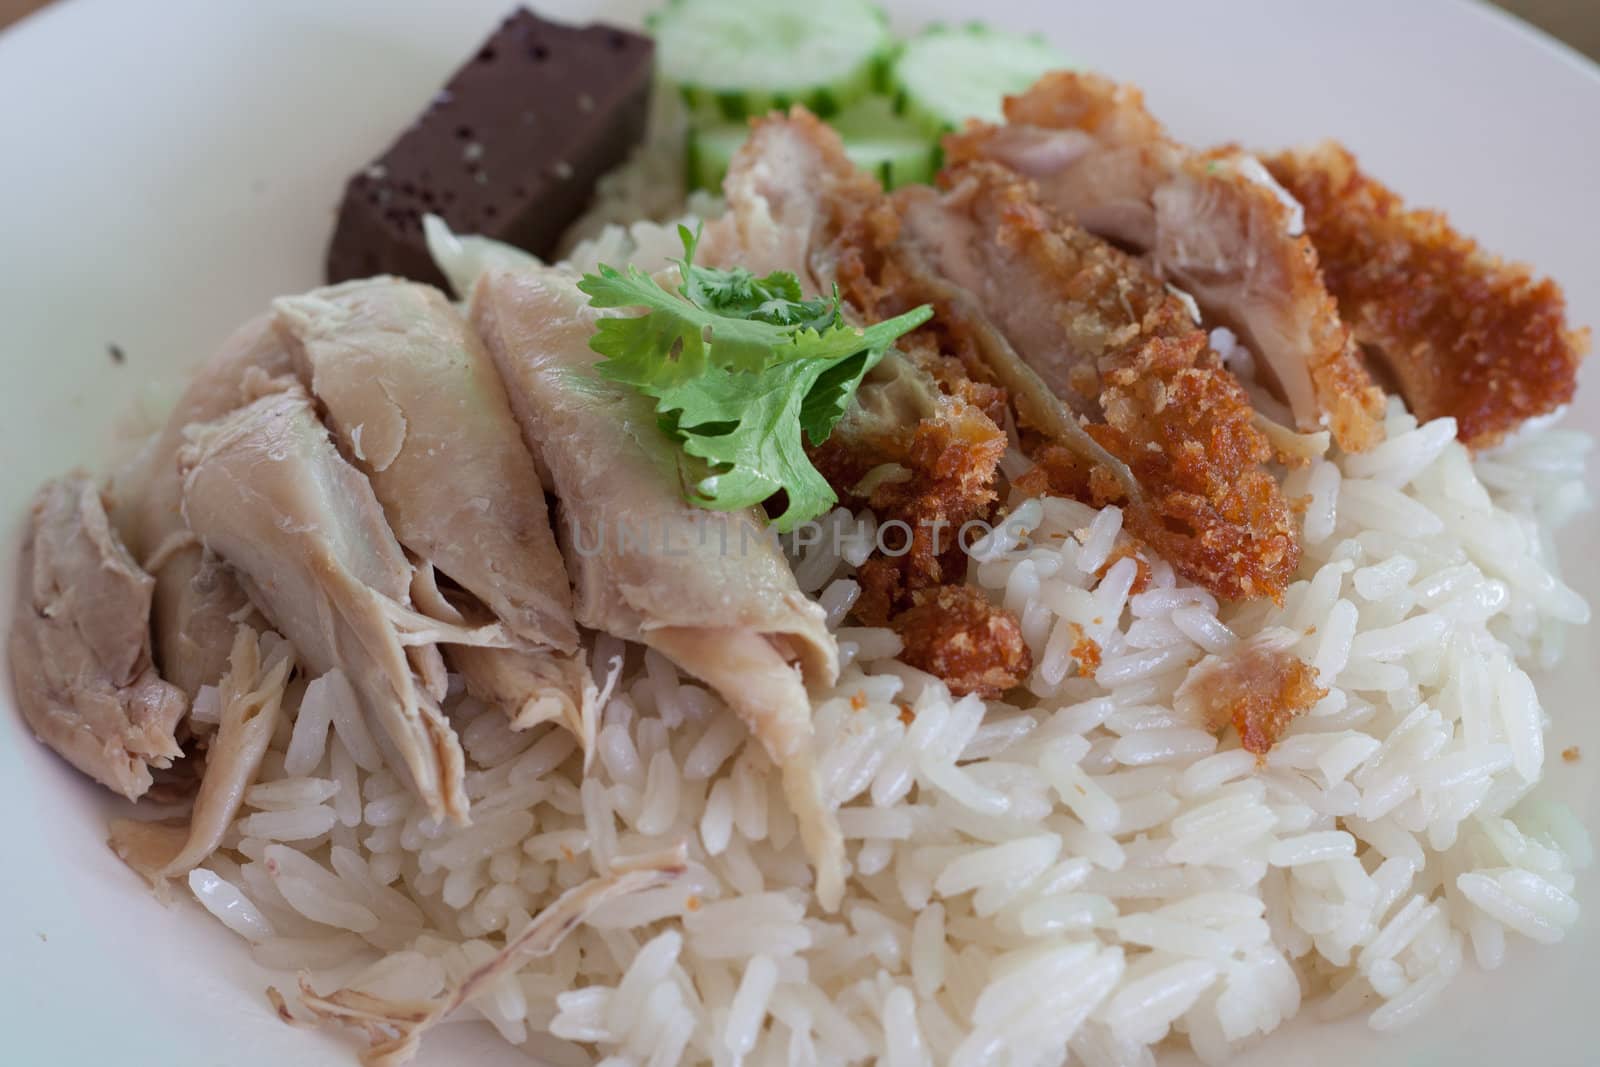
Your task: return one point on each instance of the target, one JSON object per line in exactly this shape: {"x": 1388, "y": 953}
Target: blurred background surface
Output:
{"x": 1577, "y": 22}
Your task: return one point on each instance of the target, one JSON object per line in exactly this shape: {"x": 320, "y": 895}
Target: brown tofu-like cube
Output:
{"x": 510, "y": 148}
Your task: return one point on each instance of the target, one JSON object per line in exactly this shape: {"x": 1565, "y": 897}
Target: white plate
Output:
{"x": 165, "y": 168}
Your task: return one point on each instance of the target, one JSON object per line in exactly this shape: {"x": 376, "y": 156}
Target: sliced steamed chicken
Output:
{"x": 80, "y": 644}
{"x": 724, "y": 614}
{"x": 416, "y": 404}
{"x": 196, "y": 598}
{"x": 1215, "y": 222}
{"x": 266, "y": 490}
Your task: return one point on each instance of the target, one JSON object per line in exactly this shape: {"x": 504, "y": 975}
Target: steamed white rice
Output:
{"x": 1085, "y": 879}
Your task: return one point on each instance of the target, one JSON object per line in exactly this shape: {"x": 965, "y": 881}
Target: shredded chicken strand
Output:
{"x": 395, "y": 1028}
{"x": 533, "y": 687}
{"x": 414, "y": 400}
{"x": 197, "y": 601}
{"x": 251, "y": 695}
{"x": 725, "y": 608}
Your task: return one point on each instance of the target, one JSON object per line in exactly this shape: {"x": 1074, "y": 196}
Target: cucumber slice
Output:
{"x": 746, "y": 57}
{"x": 875, "y": 139}
{"x": 897, "y": 152}
{"x": 948, "y": 74}
{"x": 711, "y": 148}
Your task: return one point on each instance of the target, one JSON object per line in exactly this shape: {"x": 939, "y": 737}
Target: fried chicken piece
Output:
{"x": 922, "y": 443}
{"x": 1106, "y": 336}
{"x": 791, "y": 193}
{"x": 1463, "y": 333}
{"x": 1214, "y": 222}
{"x": 957, "y": 634}
{"x": 1259, "y": 688}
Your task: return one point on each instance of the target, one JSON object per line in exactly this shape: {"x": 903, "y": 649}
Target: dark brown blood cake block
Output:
{"x": 510, "y": 148}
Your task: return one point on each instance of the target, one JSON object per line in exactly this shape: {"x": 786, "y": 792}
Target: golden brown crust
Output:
{"x": 956, "y": 634}
{"x": 1066, "y": 100}
{"x": 1464, "y": 333}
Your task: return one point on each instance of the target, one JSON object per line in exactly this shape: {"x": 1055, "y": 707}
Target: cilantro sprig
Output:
{"x": 743, "y": 371}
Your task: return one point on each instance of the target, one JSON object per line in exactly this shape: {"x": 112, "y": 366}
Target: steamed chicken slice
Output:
{"x": 265, "y": 489}
{"x": 80, "y": 644}
{"x": 251, "y": 695}
{"x": 1214, "y": 222}
{"x": 1463, "y": 333}
{"x": 416, "y": 404}
{"x": 196, "y": 598}
{"x": 1109, "y": 338}
{"x": 414, "y": 401}
{"x": 707, "y": 589}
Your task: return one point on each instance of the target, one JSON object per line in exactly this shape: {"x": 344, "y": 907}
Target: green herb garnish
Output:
{"x": 739, "y": 367}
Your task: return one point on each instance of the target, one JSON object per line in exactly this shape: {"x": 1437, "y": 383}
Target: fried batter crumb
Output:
{"x": 949, "y": 458}
{"x": 1258, "y": 688}
{"x": 956, "y": 634}
{"x": 692, "y": 903}
{"x": 1085, "y": 651}
{"x": 858, "y": 700}
{"x": 907, "y": 715}
{"x": 1571, "y": 754}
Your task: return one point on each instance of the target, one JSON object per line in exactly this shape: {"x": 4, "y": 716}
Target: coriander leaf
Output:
{"x": 743, "y": 372}
{"x": 830, "y": 396}
{"x": 735, "y": 292}
{"x": 750, "y": 428}
{"x": 674, "y": 340}
{"x": 764, "y": 452}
